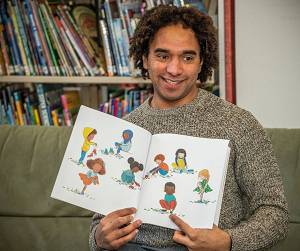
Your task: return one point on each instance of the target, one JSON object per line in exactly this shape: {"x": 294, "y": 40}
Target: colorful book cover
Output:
{"x": 111, "y": 164}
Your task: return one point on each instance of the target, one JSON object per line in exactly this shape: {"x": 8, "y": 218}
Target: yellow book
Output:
{"x": 36, "y": 116}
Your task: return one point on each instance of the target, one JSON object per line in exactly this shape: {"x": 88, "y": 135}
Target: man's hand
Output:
{"x": 116, "y": 229}
{"x": 196, "y": 239}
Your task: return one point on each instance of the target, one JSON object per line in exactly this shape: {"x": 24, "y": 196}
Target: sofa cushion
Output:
{"x": 286, "y": 144}
{"x": 44, "y": 233}
{"x": 30, "y": 158}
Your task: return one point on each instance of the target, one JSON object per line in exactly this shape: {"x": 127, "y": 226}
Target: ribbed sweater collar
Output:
{"x": 197, "y": 103}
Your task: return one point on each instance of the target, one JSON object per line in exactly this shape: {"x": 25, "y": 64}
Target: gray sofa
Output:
{"x": 30, "y": 220}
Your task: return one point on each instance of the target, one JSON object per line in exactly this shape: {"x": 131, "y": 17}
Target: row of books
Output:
{"x": 117, "y": 21}
{"x": 36, "y": 39}
{"x": 43, "y": 105}
{"x": 124, "y": 101}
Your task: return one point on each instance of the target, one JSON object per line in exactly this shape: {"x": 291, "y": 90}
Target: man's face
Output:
{"x": 173, "y": 64}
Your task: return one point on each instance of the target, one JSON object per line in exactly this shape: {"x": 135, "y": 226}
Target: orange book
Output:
{"x": 54, "y": 117}
{"x": 19, "y": 108}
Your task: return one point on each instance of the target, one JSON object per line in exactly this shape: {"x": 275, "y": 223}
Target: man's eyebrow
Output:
{"x": 192, "y": 52}
{"x": 161, "y": 50}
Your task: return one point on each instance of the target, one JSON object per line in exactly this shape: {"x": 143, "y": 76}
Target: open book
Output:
{"x": 111, "y": 164}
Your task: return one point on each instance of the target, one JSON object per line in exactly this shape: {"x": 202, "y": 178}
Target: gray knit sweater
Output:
{"x": 254, "y": 210}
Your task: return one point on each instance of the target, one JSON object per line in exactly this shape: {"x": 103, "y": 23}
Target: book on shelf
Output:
{"x": 111, "y": 164}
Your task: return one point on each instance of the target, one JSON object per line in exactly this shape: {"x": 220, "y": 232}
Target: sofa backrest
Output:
{"x": 30, "y": 158}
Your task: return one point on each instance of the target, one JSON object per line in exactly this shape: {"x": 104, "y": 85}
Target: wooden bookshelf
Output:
{"x": 73, "y": 80}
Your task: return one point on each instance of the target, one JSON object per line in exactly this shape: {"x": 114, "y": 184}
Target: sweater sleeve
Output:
{"x": 258, "y": 176}
{"x": 92, "y": 240}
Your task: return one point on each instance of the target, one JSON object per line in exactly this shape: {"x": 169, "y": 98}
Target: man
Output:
{"x": 174, "y": 47}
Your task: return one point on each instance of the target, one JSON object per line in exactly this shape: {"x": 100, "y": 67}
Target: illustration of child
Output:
{"x": 97, "y": 166}
{"x": 180, "y": 164}
{"x": 169, "y": 202}
{"x": 125, "y": 144}
{"x": 88, "y": 135}
{"x": 162, "y": 168}
{"x": 202, "y": 184}
{"x": 128, "y": 176}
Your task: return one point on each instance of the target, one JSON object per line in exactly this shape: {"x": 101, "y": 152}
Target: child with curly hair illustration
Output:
{"x": 169, "y": 202}
{"x": 97, "y": 166}
{"x": 125, "y": 144}
{"x": 202, "y": 184}
{"x": 88, "y": 135}
{"x": 162, "y": 168}
{"x": 128, "y": 176}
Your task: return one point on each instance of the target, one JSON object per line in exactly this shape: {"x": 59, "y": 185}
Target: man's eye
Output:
{"x": 188, "y": 58}
{"x": 162, "y": 56}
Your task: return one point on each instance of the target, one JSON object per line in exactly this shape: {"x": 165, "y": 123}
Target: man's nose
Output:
{"x": 174, "y": 66}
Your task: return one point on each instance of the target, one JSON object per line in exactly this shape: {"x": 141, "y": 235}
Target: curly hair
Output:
{"x": 165, "y": 15}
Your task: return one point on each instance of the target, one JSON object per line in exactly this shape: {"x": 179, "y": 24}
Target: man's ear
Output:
{"x": 145, "y": 62}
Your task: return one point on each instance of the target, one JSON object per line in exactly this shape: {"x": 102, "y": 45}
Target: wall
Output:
{"x": 268, "y": 60}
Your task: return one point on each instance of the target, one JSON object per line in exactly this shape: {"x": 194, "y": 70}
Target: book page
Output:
{"x": 183, "y": 176}
{"x": 101, "y": 171}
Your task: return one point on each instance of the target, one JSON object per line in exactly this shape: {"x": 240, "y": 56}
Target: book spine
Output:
{"x": 19, "y": 44}
{"x": 90, "y": 50}
{"x": 66, "y": 111}
{"x": 55, "y": 71}
{"x": 8, "y": 66}
{"x": 107, "y": 49}
{"x": 40, "y": 32}
{"x": 63, "y": 61}
{"x": 120, "y": 42}
{"x": 112, "y": 36}
{"x": 54, "y": 117}
{"x": 18, "y": 105}
{"x": 29, "y": 109}
{"x": 12, "y": 44}
{"x": 31, "y": 41}
{"x": 74, "y": 46}
{"x": 70, "y": 51}
{"x": 42, "y": 104}
{"x": 36, "y": 114}
{"x": 11, "y": 103}
{"x": 79, "y": 44}
{"x": 39, "y": 48}
{"x": 24, "y": 39}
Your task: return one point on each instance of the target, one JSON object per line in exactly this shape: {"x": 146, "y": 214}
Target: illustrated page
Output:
{"x": 183, "y": 176}
{"x": 103, "y": 164}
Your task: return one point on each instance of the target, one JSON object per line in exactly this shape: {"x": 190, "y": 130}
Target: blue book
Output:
{"x": 43, "y": 105}
{"x": 40, "y": 52}
{"x": 24, "y": 38}
{"x": 112, "y": 36}
{"x": 11, "y": 40}
{"x": 120, "y": 42}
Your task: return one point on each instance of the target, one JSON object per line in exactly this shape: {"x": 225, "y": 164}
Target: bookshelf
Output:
{"x": 101, "y": 80}
{"x": 68, "y": 66}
